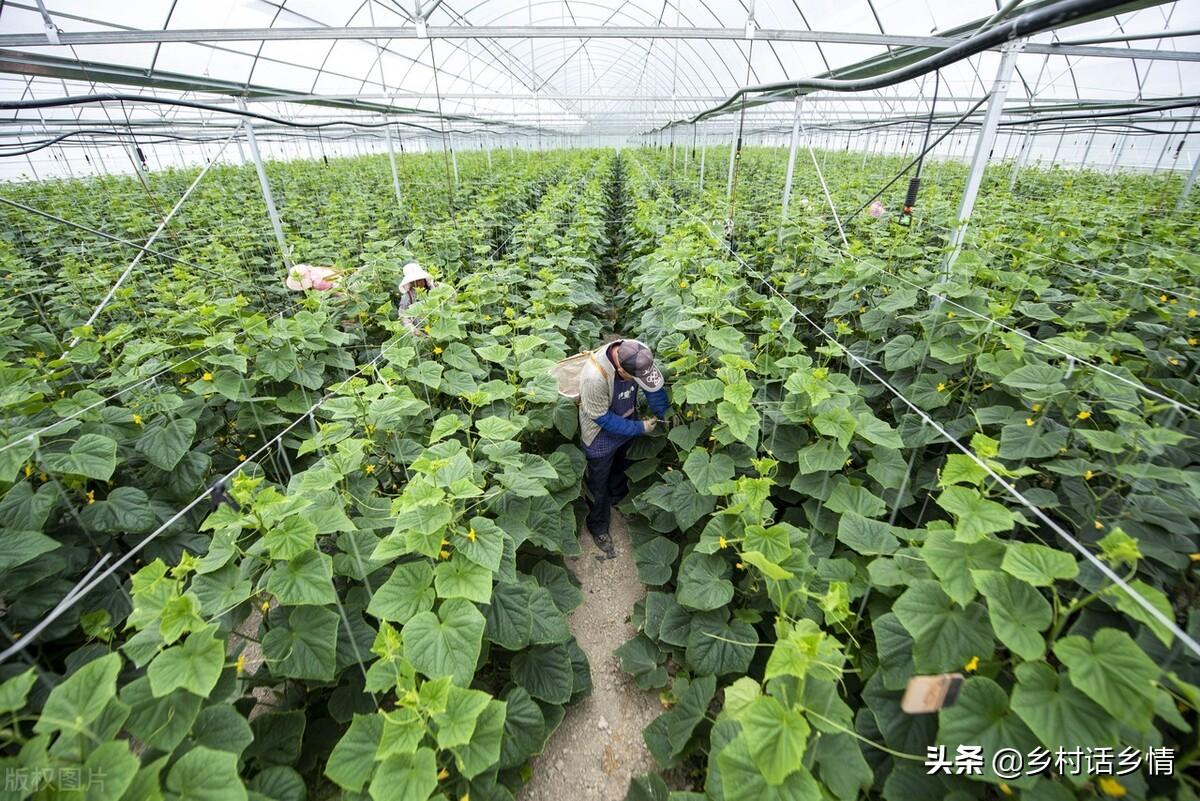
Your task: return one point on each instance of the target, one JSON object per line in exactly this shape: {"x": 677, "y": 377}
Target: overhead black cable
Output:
{"x": 1031, "y": 22}
{"x": 73, "y": 100}
{"x": 920, "y": 156}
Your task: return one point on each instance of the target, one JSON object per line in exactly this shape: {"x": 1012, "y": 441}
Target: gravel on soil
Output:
{"x": 599, "y": 746}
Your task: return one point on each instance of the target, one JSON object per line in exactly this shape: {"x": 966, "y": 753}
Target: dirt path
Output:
{"x": 599, "y": 745}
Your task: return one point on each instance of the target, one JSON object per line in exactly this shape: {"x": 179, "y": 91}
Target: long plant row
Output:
{"x": 873, "y": 462}
{"x": 339, "y": 541}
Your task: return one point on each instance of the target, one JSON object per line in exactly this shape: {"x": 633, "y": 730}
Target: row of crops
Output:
{"x": 372, "y": 600}
{"x": 836, "y": 544}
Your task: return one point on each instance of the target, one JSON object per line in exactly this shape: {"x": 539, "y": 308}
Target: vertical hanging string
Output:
{"x": 737, "y": 150}
{"x": 445, "y": 137}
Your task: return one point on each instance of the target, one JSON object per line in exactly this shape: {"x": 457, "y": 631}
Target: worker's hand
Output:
{"x": 648, "y": 425}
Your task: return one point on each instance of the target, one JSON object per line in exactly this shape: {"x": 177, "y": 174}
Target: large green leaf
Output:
{"x": 483, "y": 543}
{"x": 776, "y": 737}
{"x": 292, "y": 537}
{"x": 91, "y": 456}
{"x": 1040, "y": 565}
{"x": 655, "y": 560}
{"x": 837, "y": 423}
{"x": 126, "y": 510}
{"x": 19, "y": 547}
{"x": 975, "y": 516}
{"x": 14, "y": 691}
{"x": 704, "y": 469}
{"x": 524, "y": 728}
{"x": 1113, "y": 671}
{"x": 982, "y": 717}
{"x": 459, "y": 577}
{"x": 75, "y": 703}
{"x": 669, "y": 734}
{"x": 456, "y": 723}
{"x": 720, "y": 648}
{"x": 306, "y": 647}
{"x": 164, "y": 445}
{"x": 304, "y": 580}
{"x": 867, "y": 536}
{"x": 1058, "y": 713}
{"x": 546, "y": 672}
{"x": 194, "y": 665}
{"x": 483, "y": 750}
{"x": 160, "y": 723}
{"x": 203, "y": 774}
{"x": 743, "y": 780}
{"x": 946, "y": 636}
{"x": 446, "y": 643}
{"x": 407, "y": 591}
{"x": 704, "y": 582}
{"x": 952, "y": 561}
{"x": 1018, "y": 612}
{"x": 508, "y": 619}
{"x": 406, "y": 776}
{"x": 352, "y": 761}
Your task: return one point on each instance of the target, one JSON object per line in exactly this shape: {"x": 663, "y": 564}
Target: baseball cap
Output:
{"x": 638, "y": 360}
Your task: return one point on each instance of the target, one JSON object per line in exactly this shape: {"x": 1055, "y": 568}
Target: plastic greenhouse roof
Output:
{"x": 527, "y": 64}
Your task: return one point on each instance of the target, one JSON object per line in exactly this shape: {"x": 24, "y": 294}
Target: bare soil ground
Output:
{"x": 599, "y": 745}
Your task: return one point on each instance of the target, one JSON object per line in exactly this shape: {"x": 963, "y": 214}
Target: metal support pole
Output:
{"x": 1022, "y": 158}
{"x": 1057, "y": 147}
{"x": 791, "y": 169}
{"x": 1117, "y": 153}
{"x": 1187, "y": 187}
{"x": 983, "y": 148}
{"x": 1086, "y": 150}
{"x": 266, "y": 190}
{"x": 703, "y": 153}
{"x": 137, "y": 161}
{"x": 1166, "y": 146}
{"x": 392, "y": 160}
{"x": 112, "y": 290}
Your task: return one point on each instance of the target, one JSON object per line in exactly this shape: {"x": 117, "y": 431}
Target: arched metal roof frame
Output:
{"x": 661, "y": 76}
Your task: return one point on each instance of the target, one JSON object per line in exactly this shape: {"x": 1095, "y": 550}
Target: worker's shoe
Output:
{"x": 604, "y": 543}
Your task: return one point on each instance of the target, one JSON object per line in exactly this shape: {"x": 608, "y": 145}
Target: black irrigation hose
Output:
{"x": 937, "y": 83}
{"x": 73, "y": 100}
{"x": 99, "y": 132}
{"x": 110, "y": 237}
{"x": 917, "y": 160}
{"x": 1035, "y": 21}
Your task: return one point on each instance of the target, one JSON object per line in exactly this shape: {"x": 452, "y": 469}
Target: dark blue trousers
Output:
{"x": 606, "y": 485}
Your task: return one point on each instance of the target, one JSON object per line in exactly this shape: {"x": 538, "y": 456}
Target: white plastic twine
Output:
{"x": 1104, "y": 569}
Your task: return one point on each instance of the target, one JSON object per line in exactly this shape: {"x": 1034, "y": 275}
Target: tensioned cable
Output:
{"x": 96, "y": 232}
{"x": 1034, "y": 21}
{"x": 119, "y": 393}
{"x": 137, "y": 259}
{"x": 73, "y": 100}
{"x": 1156, "y": 288}
{"x": 1083, "y": 362}
{"x": 1076, "y": 359}
{"x": 82, "y": 588}
{"x": 1049, "y": 522}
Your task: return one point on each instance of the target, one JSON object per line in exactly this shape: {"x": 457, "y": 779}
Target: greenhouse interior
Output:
{"x": 326, "y": 470}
